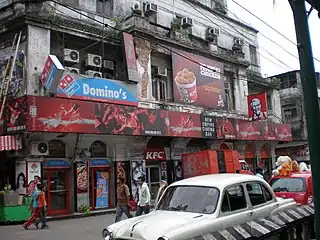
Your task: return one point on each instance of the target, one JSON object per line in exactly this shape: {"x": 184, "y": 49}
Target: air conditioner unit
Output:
{"x": 137, "y": 9}
{"x": 160, "y": 71}
{"x": 186, "y": 22}
{"x": 212, "y": 34}
{"x": 39, "y": 148}
{"x": 93, "y": 60}
{"x": 93, "y": 74}
{"x": 238, "y": 41}
{"x": 150, "y": 8}
{"x": 73, "y": 70}
{"x": 108, "y": 64}
{"x": 71, "y": 55}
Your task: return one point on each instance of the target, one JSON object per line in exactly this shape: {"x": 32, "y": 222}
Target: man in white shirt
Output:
{"x": 143, "y": 205}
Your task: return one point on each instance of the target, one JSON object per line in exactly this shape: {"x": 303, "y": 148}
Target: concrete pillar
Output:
{"x": 37, "y": 51}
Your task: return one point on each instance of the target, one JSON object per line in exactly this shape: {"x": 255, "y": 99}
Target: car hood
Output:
{"x": 153, "y": 225}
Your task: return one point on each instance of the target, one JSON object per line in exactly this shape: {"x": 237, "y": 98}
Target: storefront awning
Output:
{"x": 8, "y": 143}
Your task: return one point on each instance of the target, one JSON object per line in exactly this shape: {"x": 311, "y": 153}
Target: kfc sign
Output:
{"x": 158, "y": 154}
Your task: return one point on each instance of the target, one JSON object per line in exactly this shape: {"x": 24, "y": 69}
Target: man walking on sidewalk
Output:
{"x": 42, "y": 205}
{"x": 144, "y": 197}
{"x": 35, "y": 210}
{"x": 123, "y": 200}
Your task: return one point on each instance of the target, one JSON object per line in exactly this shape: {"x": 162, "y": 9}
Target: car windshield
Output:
{"x": 288, "y": 184}
{"x": 195, "y": 199}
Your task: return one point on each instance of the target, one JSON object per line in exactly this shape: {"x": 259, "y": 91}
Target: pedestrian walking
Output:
{"x": 144, "y": 197}
{"x": 259, "y": 173}
{"x": 42, "y": 205}
{"x": 162, "y": 186}
{"x": 35, "y": 209}
{"x": 123, "y": 200}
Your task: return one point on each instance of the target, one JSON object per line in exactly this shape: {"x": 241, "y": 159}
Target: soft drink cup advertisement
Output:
{"x": 102, "y": 199}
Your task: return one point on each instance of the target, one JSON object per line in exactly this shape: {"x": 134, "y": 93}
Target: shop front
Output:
{"x": 264, "y": 161}
{"x": 249, "y": 156}
{"x": 57, "y": 179}
{"x": 100, "y": 175}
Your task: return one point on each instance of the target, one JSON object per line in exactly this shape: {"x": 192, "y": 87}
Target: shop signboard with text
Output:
{"x": 160, "y": 154}
{"x": 198, "y": 81}
{"x": 183, "y": 125}
{"x": 97, "y": 89}
{"x": 208, "y": 126}
{"x": 75, "y": 116}
{"x": 102, "y": 190}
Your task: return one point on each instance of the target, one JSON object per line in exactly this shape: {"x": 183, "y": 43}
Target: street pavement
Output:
{"x": 88, "y": 228}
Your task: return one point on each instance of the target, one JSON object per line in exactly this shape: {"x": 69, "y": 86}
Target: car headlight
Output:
{"x": 107, "y": 234}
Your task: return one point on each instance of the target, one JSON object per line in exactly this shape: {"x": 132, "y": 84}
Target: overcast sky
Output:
{"x": 280, "y": 17}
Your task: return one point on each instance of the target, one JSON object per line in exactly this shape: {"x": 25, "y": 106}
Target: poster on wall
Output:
{"x": 34, "y": 169}
{"x": 257, "y": 107}
{"x": 82, "y": 177}
{"x": 198, "y": 82}
{"x": 102, "y": 191}
{"x": 21, "y": 181}
{"x": 138, "y": 169}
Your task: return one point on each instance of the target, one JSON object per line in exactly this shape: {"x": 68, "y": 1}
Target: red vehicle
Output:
{"x": 213, "y": 162}
{"x": 297, "y": 185}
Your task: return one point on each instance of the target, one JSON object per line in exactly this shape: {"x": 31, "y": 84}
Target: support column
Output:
{"x": 309, "y": 87}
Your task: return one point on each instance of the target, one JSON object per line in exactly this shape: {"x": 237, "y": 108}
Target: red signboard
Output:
{"x": 63, "y": 115}
{"x": 257, "y": 107}
{"x": 130, "y": 57}
{"x": 184, "y": 125}
{"x": 283, "y": 132}
{"x": 248, "y": 130}
{"x": 226, "y": 128}
{"x": 198, "y": 81}
{"x": 155, "y": 154}
{"x": 15, "y": 115}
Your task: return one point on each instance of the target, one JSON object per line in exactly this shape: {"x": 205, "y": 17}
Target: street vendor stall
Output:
{"x": 13, "y": 207}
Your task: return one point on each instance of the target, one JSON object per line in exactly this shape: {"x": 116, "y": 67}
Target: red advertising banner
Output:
{"x": 198, "y": 82}
{"x": 226, "y": 128}
{"x": 248, "y": 130}
{"x": 257, "y": 107}
{"x": 15, "y": 114}
{"x": 283, "y": 132}
{"x": 64, "y": 115}
{"x": 268, "y": 131}
{"x": 184, "y": 125}
{"x": 130, "y": 57}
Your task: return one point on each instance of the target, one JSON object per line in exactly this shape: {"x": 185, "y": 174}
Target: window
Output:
{"x": 288, "y": 184}
{"x": 253, "y": 55}
{"x": 290, "y": 113}
{"x": 195, "y": 199}
{"x": 258, "y": 194}
{"x": 228, "y": 88}
{"x": 269, "y": 102}
{"x": 98, "y": 149}
{"x": 57, "y": 149}
{"x": 159, "y": 89}
{"x": 289, "y": 81}
{"x": 233, "y": 199}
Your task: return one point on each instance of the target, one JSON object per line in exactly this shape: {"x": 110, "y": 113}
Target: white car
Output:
{"x": 200, "y": 205}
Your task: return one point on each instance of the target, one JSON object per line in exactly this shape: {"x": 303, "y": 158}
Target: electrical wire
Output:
{"x": 158, "y": 43}
{"x": 275, "y": 30}
{"x": 228, "y": 33}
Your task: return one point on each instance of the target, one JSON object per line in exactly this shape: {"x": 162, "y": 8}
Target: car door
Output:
{"x": 261, "y": 200}
{"x": 234, "y": 208}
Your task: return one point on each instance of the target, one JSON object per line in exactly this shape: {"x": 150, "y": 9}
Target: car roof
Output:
{"x": 296, "y": 175}
{"x": 220, "y": 181}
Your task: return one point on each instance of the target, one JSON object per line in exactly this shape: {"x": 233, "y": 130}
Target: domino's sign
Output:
{"x": 74, "y": 86}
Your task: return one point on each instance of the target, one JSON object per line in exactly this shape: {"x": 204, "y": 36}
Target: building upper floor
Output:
{"x": 87, "y": 51}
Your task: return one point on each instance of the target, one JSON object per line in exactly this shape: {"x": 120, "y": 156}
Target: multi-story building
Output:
{"x": 292, "y": 104}
{"x": 139, "y": 83}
